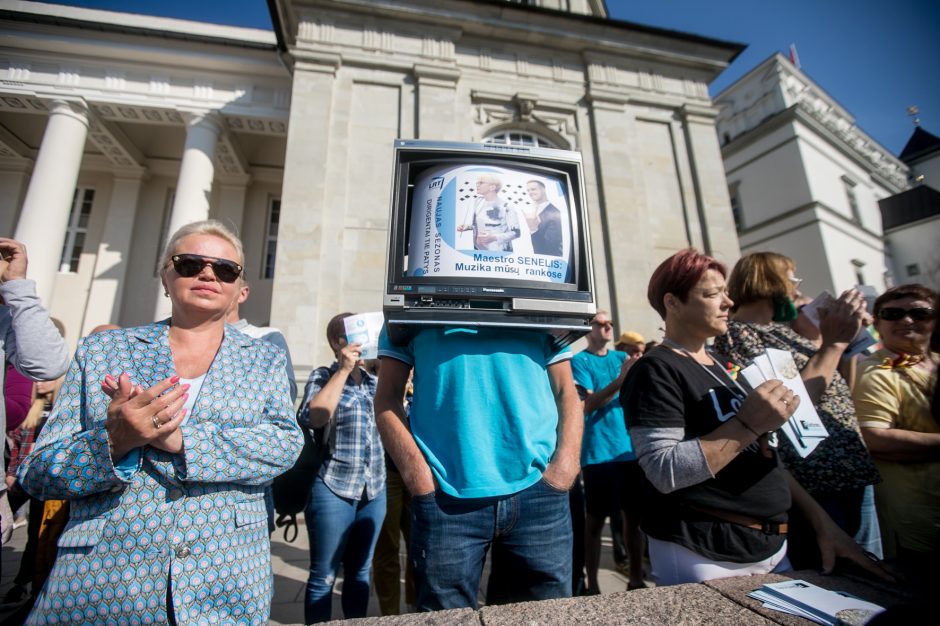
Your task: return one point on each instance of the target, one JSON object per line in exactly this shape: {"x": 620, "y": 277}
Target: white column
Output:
{"x": 197, "y": 171}
{"x": 45, "y": 215}
{"x": 191, "y": 203}
{"x": 107, "y": 285}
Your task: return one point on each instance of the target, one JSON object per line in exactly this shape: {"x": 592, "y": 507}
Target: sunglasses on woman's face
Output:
{"x": 893, "y": 314}
{"x": 189, "y": 265}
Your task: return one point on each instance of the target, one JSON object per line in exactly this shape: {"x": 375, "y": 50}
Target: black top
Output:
{"x": 547, "y": 239}
{"x": 668, "y": 390}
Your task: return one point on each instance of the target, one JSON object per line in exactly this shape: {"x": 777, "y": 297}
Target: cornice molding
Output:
{"x": 436, "y": 75}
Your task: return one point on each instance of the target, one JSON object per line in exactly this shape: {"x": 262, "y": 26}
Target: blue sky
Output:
{"x": 874, "y": 57}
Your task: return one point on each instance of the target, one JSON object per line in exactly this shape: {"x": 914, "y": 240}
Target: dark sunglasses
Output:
{"x": 189, "y": 265}
{"x": 893, "y": 313}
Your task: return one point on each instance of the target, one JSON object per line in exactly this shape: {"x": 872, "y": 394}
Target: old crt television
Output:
{"x": 488, "y": 235}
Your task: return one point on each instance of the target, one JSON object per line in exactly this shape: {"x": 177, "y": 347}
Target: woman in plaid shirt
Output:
{"x": 347, "y": 500}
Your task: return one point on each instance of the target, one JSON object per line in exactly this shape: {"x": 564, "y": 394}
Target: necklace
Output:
{"x": 681, "y": 348}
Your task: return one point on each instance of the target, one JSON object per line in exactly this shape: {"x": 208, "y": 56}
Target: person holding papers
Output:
{"x": 718, "y": 494}
{"x": 763, "y": 286}
{"x": 347, "y": 501}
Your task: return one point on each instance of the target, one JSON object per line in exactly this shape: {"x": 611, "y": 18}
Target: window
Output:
{"x": 519, "y": 138}
{"x": 735, "y": 194}
{"x": 165, "y": 225}
{"x": 77, "y": 229}
{"x": 853, "y": 201}
{"x": 270, "y": 238}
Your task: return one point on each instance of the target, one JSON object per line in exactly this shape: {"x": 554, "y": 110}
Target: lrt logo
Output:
{"x": 436, "y": 183}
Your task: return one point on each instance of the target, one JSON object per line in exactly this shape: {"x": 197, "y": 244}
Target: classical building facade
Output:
{"x": 117, "y": 128}
{"x": 804, "y": 180}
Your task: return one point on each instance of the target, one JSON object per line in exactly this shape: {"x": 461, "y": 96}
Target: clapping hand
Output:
{"x": 12, "y": 260}
{"x": 840, "y": 320}
{"x": 138, "y": 416}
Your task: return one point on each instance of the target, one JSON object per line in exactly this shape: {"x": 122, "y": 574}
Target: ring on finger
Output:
{"x": 156, "y": 423}
{"x": 786, "y": 402}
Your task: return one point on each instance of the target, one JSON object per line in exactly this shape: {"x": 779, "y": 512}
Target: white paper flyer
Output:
{"x": 364, "y": 329}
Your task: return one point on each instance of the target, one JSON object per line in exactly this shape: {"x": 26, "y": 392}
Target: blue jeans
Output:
{"x": 344, "y": 531}
{"x": 529, "y": 531}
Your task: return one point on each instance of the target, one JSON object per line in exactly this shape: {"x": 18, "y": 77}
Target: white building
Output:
{"x": 912, "y": 218}
{"x": 804, "y": 180}
{"x": 117, "y": 128}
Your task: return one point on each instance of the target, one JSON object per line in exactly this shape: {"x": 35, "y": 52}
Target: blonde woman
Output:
{"x": 166, "y": 477}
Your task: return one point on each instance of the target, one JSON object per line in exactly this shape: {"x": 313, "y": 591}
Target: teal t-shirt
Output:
{"x": 605, "y": 434}
{"x": 483, "y": 412}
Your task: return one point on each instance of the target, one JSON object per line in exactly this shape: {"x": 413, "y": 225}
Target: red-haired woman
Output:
{"x": 719, "y": 493}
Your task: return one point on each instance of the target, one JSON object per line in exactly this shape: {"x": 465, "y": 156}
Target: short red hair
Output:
{"x": 678, "y": 274}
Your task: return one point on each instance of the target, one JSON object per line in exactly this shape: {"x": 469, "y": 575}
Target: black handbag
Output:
{"x": 291, "y": 490}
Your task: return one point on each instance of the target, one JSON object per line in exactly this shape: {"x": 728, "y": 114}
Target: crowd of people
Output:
{"x": 147, "y": 469}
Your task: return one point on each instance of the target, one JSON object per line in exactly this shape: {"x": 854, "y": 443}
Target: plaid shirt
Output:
{"x": 356, "y": 460}
{"x": 22, "y": 441}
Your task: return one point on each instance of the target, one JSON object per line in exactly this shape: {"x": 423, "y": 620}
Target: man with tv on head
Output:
{"x": 489, "y": 452}
{"x": 546, "y": 225}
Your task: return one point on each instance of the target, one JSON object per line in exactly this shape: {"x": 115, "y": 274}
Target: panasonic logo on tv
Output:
{"x": 487, "y": 290}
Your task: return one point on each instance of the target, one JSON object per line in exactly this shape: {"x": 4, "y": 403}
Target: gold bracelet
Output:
{"x": 746, "y": 425}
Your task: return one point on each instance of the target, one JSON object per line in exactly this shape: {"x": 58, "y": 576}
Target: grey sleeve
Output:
{"x": 669, "y": 462}
{"x": 32, "y": 343}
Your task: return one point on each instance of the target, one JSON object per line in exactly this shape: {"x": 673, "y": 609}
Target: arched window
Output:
{"x": 520, "y": 138}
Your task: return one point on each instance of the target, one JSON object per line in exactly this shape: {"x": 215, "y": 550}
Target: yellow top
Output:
{"x": 891, "y": 394}
{"x": 888, "y": 396}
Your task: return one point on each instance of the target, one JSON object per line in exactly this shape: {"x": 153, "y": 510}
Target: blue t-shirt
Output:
{"x": 483, "y": 412}
{"x": 605, "y": 434}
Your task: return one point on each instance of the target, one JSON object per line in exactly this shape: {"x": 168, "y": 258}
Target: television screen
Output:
{"x": 488, "y": 235}
{"x": 490, "y": 221}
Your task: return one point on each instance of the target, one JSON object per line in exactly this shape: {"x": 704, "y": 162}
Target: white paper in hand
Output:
{"x": 804, "y": 429}
{"x": 862, "y": 340}
{"x": 364, "y": 329}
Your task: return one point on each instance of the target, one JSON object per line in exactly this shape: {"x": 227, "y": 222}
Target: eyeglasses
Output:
{"x": 796, "y": 282}
{"x": 189, "y": 265}
{"x": 607, "y": 325}
{"x": 893, "y": 314}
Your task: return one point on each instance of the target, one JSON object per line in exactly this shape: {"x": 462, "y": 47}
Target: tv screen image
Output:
{"x": 488, "y": 221}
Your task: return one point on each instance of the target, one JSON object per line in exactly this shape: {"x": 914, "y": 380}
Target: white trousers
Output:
{"x": 673, "y": 564}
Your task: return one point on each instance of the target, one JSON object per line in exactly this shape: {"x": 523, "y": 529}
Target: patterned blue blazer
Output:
{"x": 194, "y": 521}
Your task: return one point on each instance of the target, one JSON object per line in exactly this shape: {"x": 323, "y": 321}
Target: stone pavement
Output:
{"x": 715, "y": 603}
{"x": 290, "y": 563}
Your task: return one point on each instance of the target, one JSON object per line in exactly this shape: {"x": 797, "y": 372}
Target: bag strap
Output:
{"x": 288, "y": 521}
